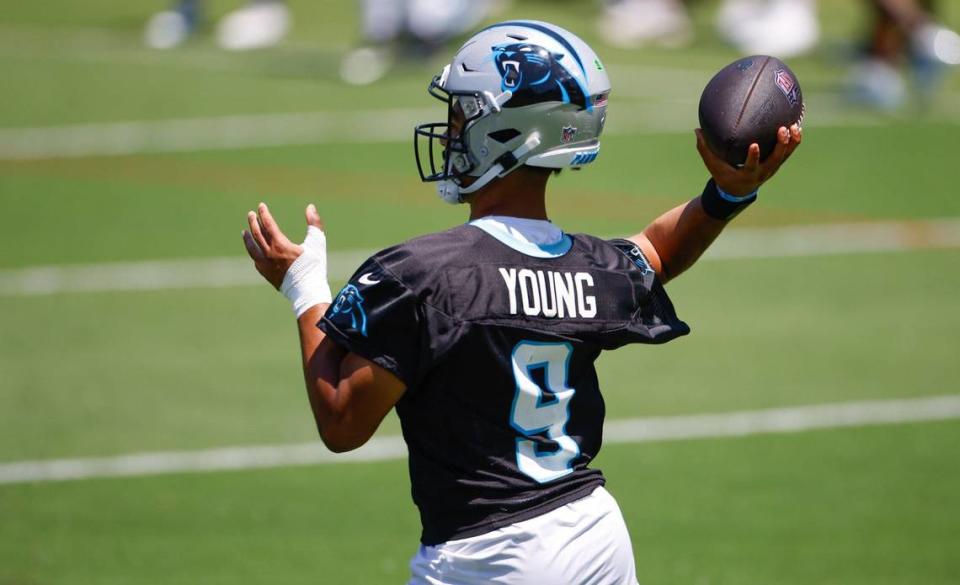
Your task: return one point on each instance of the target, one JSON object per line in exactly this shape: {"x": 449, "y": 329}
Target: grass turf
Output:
{"x": 170, "y": 206}
{"x": 91, "y": 374}
{"x": 105, "y": 373}
{"x": 856, "y": 506}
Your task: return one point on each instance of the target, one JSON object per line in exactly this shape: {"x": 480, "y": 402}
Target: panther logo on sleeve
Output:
{"x": 533, "y": 75}
{"x": 350, "y": 302}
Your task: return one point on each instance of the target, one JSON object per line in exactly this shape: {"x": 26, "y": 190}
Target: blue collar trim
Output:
{"x": 554, "y": 250}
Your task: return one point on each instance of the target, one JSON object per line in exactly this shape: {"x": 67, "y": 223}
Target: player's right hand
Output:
{"x": 271, "y": 250}
{"x": 748, "y": 178}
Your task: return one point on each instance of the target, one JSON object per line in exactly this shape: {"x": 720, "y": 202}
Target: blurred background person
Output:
{"x": 408, "y": 29}
{"x": 903, "y": 33}
{"x": 904, "y": 39}
{"x": 637, "y": 23}
{"x": 784, "y": 28}
{"x": 259, "y": 24}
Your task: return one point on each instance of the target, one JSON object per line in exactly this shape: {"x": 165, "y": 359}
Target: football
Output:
{"x": 748, "y": 101}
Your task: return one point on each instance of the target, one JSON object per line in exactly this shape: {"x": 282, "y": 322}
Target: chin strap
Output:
{"x": 453, "y": 193}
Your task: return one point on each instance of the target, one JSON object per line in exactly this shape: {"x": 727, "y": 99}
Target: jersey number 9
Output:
{"x": 541, "y": 408}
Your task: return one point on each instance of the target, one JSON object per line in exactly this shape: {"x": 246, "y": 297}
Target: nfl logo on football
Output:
{"x": 788, "y": 86}
{"x": 568, "y": 133}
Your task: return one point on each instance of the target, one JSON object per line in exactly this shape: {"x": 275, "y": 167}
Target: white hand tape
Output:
{"x": 305, "y": 283}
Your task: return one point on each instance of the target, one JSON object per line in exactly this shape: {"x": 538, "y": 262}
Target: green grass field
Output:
{"x": 118, "y": 372}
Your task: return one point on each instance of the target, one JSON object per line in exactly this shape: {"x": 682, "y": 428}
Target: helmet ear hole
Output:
{"x": 460, "y": 162}
{"x": 504, "y": 136}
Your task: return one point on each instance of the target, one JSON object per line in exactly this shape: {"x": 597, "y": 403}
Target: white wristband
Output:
{"x": 305, "y": 283}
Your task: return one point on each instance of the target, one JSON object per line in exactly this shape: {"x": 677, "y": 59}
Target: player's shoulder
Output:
{"x": 423, "y": 264}
{"x": 611, "y": 253}
{"x": 414, "y": 260}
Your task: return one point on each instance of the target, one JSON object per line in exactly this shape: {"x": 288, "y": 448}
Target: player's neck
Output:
{"x": 519, "y": 194}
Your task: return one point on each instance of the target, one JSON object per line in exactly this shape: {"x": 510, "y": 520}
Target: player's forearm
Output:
{"x": 680, "y": 236}
{"x": 677, "y": 239}
{"x": 321, "y": 369}
{"x": 349, "y": 395}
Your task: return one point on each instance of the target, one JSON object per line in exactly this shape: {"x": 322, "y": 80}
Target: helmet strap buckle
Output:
{"x": 496, "y": 102}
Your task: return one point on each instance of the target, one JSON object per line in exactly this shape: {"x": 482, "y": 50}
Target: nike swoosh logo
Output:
{"x": 365, "y": 279}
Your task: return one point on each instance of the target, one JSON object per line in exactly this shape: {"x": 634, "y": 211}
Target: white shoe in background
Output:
{"x": 366, "y": 65}
{"x": 166, "y": 30}
{"x": 434, "y": 21}
{"x": 877, "y": 84}
{"x": 782, "y": 28}
{"x": 256, "y": 26}
{"x": 937, "y": 43}
{"x": 635, "y": 23}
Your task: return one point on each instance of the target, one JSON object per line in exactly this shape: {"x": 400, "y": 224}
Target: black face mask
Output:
{"x": 439, "y": 156}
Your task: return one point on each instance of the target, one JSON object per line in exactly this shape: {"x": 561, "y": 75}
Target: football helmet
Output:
{"x": 518, "y": 93}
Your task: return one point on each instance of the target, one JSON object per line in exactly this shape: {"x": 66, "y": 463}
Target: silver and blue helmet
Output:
{"x": 531, "y": 93}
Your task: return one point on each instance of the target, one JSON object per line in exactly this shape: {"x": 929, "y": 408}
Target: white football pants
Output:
{"x": 582, "y": 543}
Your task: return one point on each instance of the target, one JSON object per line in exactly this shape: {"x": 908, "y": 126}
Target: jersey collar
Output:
{"x": 534, "y": 237}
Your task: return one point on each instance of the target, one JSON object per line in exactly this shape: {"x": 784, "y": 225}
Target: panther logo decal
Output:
{"x": 350, "y": 302}
{"x": 533, "y": 75}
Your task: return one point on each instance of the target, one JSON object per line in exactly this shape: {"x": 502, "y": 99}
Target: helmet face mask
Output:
{"x": 517, "y": 93}
{"x": 444, "y": 150}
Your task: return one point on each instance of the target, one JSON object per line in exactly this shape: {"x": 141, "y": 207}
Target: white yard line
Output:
{"x": 154, "y": 275}
{"x": 662, "y": 114}
{"x": 655, "y": 99}
{"x": 637, "y": 430}
{"x": 301, "y": 128}
{"x": 736, "y": 243}
{"x": 839, "y": 238}
{"x": 222, "y": 132}
{"x": 217, "y": 133}
{"x": 783, "y": 420}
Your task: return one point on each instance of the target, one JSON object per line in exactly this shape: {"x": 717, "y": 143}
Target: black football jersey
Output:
{"x": 502, "y": 414}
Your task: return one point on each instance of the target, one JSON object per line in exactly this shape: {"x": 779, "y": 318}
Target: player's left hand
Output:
{"x": 748, "y": 178}
{"x": 271, "y": 250}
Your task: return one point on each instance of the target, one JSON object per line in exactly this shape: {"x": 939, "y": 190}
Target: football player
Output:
{"x": 484, "y": 336}
{"x": 412, "y": 30}
{"x": 903, "y": 32}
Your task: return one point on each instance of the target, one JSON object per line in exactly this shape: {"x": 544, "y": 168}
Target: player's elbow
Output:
{"x": 338, "y": 447}
{"x": 664, "y": 275}
{"x": 339, "y": 440}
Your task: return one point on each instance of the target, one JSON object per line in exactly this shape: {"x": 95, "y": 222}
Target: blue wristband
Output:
{"x": 721, "y": 205}
{"x": 735, "y": 198}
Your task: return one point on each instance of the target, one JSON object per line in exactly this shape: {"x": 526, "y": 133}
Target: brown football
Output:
{"x": 748, "y": 101}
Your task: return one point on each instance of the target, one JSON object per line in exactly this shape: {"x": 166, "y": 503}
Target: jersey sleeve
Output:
{"x": 378, "y": 318}
{"x": 654, "y": 319}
